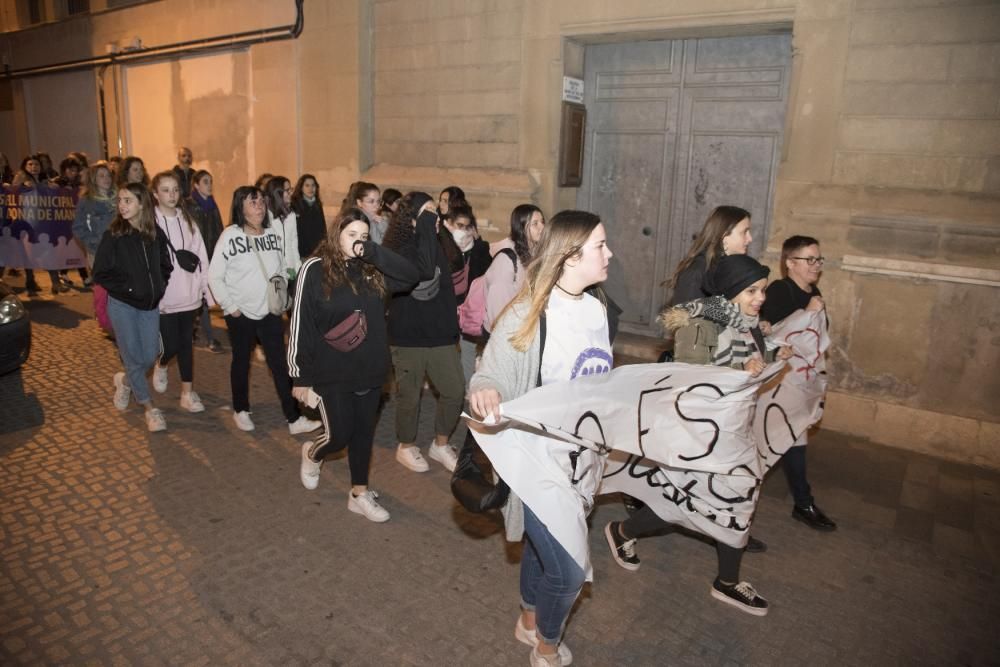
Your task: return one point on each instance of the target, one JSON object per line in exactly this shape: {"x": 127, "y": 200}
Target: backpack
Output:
{"x": 472, "y": 312}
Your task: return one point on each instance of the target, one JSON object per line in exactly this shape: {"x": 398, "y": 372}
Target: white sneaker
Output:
{"x": 309, "y": 469}
{"x": 412, "y": 458}
{"x": 530, "y": 637}
{"x": 192, "y": 402}
{"x": 243, "y": 421}
{"x": 159, "y": 378}
{"x": 443, "y": 454}
{"x": 303, "y": 425}
{"x": 122, "y": 392}
{"x": 367, "y": 506}
{"x": 155, "y": 421}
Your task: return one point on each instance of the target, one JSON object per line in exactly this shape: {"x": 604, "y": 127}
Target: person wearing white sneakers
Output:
{"x": 423, "y": 334}
{"x": 132, "y": 263}
{"x": 338, "y": 348}
{"x": 188, "y": 285}
{"x": 247, "y": 253}
{"x": 559, "y": 327}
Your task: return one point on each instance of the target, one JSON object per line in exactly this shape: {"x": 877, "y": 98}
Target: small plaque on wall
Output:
{"x": 571, "y": 133}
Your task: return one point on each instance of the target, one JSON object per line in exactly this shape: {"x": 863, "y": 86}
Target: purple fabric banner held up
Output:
{"x": 36, "y": 228}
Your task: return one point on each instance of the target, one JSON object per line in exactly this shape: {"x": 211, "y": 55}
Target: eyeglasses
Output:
{"x": 811, "y": 261}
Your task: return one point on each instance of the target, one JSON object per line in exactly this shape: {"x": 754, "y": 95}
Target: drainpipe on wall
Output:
{"x": 144, "y": 54}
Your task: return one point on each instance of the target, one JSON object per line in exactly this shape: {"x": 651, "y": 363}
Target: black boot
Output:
{"x": 813, "y": 517}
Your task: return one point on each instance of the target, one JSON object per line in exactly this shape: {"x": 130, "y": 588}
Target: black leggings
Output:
{"x": 177, "y": 339}
{"x": 270, "y": 330}
{"x": 646, "y": 521}
{"x": 349, "y": 420}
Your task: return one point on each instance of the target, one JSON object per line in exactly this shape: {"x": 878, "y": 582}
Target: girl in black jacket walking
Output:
{"x": 339, "y": 351}
{"x": 133, "y": 264}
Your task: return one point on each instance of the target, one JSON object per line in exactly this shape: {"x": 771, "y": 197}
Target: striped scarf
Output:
{"x": 736, "y": 339}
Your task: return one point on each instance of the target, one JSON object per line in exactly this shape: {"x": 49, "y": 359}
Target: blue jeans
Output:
{"x": 137, "y": 333}
{"x": 550, "y": 579}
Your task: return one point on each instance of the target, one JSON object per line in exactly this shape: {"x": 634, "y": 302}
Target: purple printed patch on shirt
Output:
{"x": 592, "y": 361}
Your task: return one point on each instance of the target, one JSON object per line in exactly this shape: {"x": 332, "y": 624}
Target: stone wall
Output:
{"x": 891, "y": 152}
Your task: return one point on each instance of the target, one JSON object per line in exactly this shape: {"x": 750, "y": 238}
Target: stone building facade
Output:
{"x": 889, "y": 149}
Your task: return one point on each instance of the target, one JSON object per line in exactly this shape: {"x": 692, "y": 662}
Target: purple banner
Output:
{"x": 36, "y": 228}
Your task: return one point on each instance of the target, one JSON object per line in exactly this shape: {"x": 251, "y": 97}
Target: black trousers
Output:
{"x": 794, "y": 463}
{"x": 646, "y": 521}
{"x": 349, "y": 420}
{"x": 177, "y": 339}
{"x": 270, "y": 330}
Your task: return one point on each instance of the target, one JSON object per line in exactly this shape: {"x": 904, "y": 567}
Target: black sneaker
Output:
{"x": 622, "y": 550}
{"x": 741, "y": 595}
{"x": 215, "y": 347}
{"x": 755, "y": 546}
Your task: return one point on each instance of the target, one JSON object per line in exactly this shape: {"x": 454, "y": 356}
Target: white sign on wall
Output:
{"x": 572, "y": 90}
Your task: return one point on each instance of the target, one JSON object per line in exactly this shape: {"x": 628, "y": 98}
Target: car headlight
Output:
{"x": 11, "y": 309}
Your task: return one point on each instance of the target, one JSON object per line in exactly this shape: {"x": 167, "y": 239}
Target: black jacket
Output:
{"x": 431, "y": 323}
{"x": 314, "y": 363}
{"x": 784, "y": 297}
{"x": 478, "y": 259}
{"x": 311, "y": 227}
{"x": 132, "y": 270}
{"x": 209, "y": 223}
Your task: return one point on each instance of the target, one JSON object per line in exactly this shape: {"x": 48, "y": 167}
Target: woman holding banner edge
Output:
{"x": 559, "y": 326}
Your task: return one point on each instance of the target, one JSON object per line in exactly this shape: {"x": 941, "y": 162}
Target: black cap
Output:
{"x": 732, "y": 274}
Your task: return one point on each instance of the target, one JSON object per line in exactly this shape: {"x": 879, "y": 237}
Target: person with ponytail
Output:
{"x": 133, "y": 264}
{"x": 560, "y": 326}
{"x": 338, "y": 348}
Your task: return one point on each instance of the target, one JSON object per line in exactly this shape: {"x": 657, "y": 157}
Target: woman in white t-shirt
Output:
{"x": 559, "y": 327}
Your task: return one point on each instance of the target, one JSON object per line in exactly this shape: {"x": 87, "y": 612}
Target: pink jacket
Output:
{"x": 502, "y": 284}
{"x": 184, "y": 289}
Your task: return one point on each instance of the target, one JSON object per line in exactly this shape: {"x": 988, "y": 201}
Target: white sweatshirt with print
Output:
{"x": 235, "y": 275}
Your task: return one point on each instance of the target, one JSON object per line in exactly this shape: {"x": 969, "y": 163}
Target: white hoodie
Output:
{"x": 184, "y": 290}
{"x": 235, "y": 275}
{"x": 287, "y": 230}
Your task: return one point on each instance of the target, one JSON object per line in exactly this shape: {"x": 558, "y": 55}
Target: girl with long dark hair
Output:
{"x": 344, "y": 284}
{"x": 504, "y": 278}
{"x": 726, "y": 232}
{"x": 281, "y": 219}
{"x": 309, "y": 219}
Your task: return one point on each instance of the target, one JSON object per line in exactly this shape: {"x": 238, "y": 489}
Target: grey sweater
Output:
{"x": 512, "y": 373}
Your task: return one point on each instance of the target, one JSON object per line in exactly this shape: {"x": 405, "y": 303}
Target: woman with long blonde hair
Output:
{"x": 559, "y": 327}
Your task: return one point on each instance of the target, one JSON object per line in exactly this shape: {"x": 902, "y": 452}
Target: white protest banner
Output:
{"x": 693, "y": 417}
{"x": 36, "y": 228}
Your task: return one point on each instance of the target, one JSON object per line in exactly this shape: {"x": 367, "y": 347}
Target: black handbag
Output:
{"x": 186, "y": 259}
{"x": 470, "y": 482}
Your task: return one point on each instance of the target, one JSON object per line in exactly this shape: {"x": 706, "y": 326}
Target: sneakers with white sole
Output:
{"x": 122, "y": 392}
{"x": 243, "y": 421}
{"x": 743, "y": 596}
{"x": 443, "y": 454}
{"x": 367, "y": 506}
{"x": 412, "y": 458}
{"x": 191, "y": 402}
{"x": 622, "y": 549}
{"x": 309, "y": 469}
{"x": 539, "y": 660}
{"x": 155, "y": 421}
{"x": 159, "y": 378}
{"x": 303, "y": 425}
{"x": 530, "y": 637}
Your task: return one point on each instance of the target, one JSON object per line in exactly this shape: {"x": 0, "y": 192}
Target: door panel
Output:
{"x": 676, "y": 128}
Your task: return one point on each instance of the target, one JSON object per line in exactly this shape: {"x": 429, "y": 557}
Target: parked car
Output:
{"x": 15, "y": 330}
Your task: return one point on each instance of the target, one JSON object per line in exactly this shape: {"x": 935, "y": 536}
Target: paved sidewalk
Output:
{"x": 199, "y": 546}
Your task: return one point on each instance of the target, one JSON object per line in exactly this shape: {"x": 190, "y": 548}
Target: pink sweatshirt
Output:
{"x": 184, "y": 290}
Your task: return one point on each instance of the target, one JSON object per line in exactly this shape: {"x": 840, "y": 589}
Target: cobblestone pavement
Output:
{"x": 199, "y": 546}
